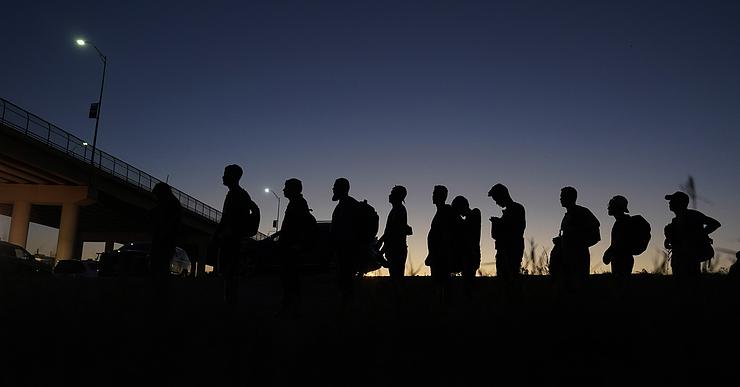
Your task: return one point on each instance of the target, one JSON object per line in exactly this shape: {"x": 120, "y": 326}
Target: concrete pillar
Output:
{"x": 19, "y": 223}
{"x": 67, "y": 241}
{"x": 108, "y": 246}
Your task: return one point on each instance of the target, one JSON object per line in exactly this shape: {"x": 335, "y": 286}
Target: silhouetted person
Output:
{"x": 619, "y": 254}
{"x": 345, "y": 239}
{"x": 735, "y": 267}
{"x": 440, "y": 242}
{"x": 166, "y": 219}
{"x": 508, "y": 232}
{"x": 239, "y": 222}
{"x": 687, "y": 236}
{"x": 295, "y": 240}
{"x": 468, "y": 241}
{"x": 393, "y": 241}
{"x": 579, "y": 231}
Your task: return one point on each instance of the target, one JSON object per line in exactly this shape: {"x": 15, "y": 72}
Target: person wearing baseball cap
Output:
{"x": 687, "y": 236}
{"x": 618, "y": 253}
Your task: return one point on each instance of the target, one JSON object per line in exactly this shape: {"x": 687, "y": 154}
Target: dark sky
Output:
{"x": 610, "y": 97}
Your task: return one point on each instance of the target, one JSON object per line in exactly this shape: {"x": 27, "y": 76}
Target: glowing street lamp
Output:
{"x": 277, "y": 220}
{"x": 95, "y": 107}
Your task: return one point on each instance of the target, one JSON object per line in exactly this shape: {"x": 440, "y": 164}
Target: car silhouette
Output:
{"x": 15, "y": 260}
{"x": 132, "y": 259}
{"x": 75, "y": 268}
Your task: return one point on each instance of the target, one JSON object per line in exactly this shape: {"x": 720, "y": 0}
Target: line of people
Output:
{"x": 453, "y": 241}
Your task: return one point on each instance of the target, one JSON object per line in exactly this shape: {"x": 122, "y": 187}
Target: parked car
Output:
{"x": 133, "y": 259}
{"x": 73, "y": 268}
{"x": 15, "y": 260}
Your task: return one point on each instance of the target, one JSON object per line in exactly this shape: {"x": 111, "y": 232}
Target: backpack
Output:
{"x": 253, "y": 221}
{"x": 593, "y": 234}
{"x": 639, "y": 234}
{"x": 367, "y": 222}
{"x": 311, "y": 235}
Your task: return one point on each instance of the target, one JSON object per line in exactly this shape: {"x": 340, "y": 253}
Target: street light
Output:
{"x": 277, "y": 221}
{"x": 95, "y": 107}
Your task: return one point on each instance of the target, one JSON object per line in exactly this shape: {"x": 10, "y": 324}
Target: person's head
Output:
{"x": 162, "y": 191}
{"x": 500, "y": 194}
{"x": 439, "y": 194}
{"x": 340, "y": 189}
{"x": 617, "y": 205}
{"x": 460, "y": 205}
{"x": 677, "y": 201}
{"x": 293, "y": 187}
{"x": 568, "y": 196}
{"x": 397, "y": 195}
{"x": 232, "y": 174}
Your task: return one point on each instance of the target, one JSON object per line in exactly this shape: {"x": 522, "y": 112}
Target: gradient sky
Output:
{"x": 610, "y": 97}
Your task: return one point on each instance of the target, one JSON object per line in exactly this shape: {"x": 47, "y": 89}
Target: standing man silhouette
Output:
{"x": 440, "y": 243}
{"x": 618, "y": 253}
{"x": 468, "y": 242}
{"x": 687, "y": 236}
{"x": 508, "y": 232}
{"x": 580, "y": 230}
{"x": 393, "y": 241}
{"x": 166, "y": 220}
{"x": 240, "y": 220}
{"x": 345, "y": 239}
{"x": 296, "y": 237}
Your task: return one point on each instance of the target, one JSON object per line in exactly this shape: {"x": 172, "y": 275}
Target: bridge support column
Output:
{"x": 67, "y": 240}
{"x": 19, "y": 220}
{"x": 108, "y": 246}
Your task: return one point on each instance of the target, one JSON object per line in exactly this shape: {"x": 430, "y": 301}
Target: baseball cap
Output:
{"x": 678, "y": 196}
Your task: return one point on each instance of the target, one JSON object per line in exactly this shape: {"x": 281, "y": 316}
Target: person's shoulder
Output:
{"x": 584, "y": 210}
{"x": 517, "y": 207}
{"x": 239, "y": 192}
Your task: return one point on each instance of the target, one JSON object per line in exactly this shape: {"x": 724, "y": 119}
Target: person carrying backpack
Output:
{"x": 240, "y": 220}
{"x": 345, "y": 240}
{"x": 630, "y": 236}
{"x": 295, "y": 239}
{"x": 579, "y": 231}
{"x": 687, "y": 236}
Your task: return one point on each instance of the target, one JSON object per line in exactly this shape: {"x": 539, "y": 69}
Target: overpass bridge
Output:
{"x": 50, "y": 177}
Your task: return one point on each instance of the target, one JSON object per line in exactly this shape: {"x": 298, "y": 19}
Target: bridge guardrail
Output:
{"x": 47, "y": 133}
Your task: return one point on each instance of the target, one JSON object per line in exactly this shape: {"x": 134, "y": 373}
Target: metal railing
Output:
{"x": 41, "y": 130}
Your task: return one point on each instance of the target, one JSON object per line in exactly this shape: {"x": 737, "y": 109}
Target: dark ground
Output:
{"x": 108, "y": 332}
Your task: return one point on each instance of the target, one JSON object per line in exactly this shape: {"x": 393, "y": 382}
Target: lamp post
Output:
{"x": 95, "y": 109}
{"x": 277, "y": 220}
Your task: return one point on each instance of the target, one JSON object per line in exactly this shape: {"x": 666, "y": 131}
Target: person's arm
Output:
{"x": 710, "y": 225}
